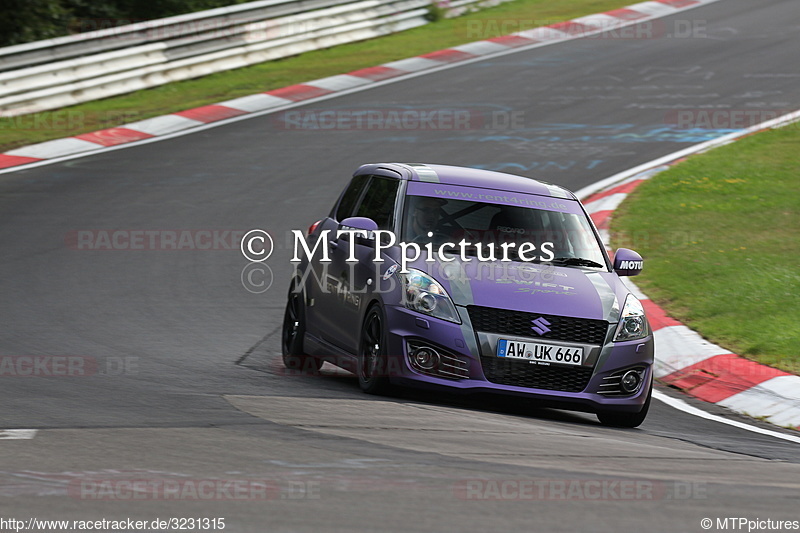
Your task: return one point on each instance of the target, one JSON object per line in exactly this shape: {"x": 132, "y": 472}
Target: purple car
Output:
{"x": 469, "y": 280}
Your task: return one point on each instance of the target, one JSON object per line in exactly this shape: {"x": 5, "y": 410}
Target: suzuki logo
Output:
{"x": 540, "y": 326}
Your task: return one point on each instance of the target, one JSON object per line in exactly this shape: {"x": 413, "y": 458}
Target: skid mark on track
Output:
{"x": 257, "y": 345}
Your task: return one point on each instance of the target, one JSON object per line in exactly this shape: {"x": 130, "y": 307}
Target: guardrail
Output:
{"x": 69, "y": 70}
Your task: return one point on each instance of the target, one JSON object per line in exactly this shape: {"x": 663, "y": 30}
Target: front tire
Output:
{"x": 292, "y": 333}
{"x": 627, "y": 420}
{"x": 373, "y": 375}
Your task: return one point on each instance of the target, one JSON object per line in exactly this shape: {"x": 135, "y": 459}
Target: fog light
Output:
{"x": 425, "y": 358}
{"x": 630, "y": 381}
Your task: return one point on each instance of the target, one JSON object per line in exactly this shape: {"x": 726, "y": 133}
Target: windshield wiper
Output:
{"x": 577, "y": 261}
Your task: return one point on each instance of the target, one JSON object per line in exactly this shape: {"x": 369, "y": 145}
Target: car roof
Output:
{"x": 469, "y": 177}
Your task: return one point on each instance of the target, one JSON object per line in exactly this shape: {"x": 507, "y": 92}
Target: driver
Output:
{"x": 425, "y": 216}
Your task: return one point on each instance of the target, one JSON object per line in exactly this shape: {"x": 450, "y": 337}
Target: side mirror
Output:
{"x": 365, "y": 226}
{"x": 627, "y": 262}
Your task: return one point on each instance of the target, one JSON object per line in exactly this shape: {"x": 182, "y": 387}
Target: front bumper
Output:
{"x": 584, "y": 388}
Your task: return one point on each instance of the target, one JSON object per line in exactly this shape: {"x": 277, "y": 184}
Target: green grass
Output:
{"x": 506, "y": 18}
{"x": 720, "y": 234}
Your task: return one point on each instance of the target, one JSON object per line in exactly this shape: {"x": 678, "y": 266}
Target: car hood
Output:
{"x": 534, "y": 288}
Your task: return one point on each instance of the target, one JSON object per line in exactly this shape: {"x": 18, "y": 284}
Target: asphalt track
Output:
{"x": 188, "y": 385}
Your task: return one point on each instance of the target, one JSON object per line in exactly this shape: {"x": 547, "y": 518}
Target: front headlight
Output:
{"x": 632, "y": 323}
{"x": 422, "y": 293}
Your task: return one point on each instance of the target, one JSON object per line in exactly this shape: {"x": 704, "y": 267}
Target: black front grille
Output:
{"x": 524, "y": 374}
{"x": 518, "y": 323}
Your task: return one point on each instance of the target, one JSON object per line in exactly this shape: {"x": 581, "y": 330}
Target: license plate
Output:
{"x": 539, "y": 352}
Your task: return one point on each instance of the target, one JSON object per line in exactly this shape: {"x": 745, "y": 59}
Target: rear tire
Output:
{"x": 626, "y": 420}
{"x": 292, "y": 332}
{"x": 373, "y": 375}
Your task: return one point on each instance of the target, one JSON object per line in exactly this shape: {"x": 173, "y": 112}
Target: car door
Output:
{"x": 349, "y": 280}
{"x": 320, "y": 285}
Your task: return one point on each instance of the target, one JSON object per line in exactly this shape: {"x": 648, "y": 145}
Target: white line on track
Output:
{"x": 680, "y": 405}
{"x": 17, "y": 434}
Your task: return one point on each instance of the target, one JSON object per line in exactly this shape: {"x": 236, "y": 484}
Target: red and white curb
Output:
{"x": 192, "y": 119}
{"x": 683, "y": 358}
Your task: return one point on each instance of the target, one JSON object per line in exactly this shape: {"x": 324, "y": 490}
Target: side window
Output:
{"x": 350, "y": 197}
{"x": 378, "y": 202}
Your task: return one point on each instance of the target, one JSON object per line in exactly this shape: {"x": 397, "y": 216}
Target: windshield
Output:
{"x": 555, "y": 236}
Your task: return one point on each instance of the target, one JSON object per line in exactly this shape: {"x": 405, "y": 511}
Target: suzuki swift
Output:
{"x": 469, "y": 280}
